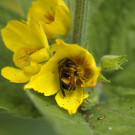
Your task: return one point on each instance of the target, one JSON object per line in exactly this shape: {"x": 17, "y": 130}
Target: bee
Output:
{"x": 67, "y": 75}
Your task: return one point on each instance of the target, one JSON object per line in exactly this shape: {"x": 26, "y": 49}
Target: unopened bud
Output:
{"x": 112, "y": 62}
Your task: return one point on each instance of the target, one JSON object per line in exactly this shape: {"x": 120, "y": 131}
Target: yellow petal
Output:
{"x": 43, "y": 10}
{"x": 19, "y": 35}
{"x": 47, "y": 80}
{"x": 72, "y": 100}
{"x": 70, "y": 50}
{"x": 14, "y": 75}
{"x": 53, "y": 15}
{"x": 21, "y": 57}
{"x": 93, "y": 80}
{"x": 32, "y": 69}
{"x": 40, "y": 55}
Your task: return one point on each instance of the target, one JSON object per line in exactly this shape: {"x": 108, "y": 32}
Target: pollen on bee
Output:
{"x": 65, "y": 80}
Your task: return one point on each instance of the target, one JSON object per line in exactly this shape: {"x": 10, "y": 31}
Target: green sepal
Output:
{"x": 57, "y": 36}
{"x": 89, "y": 102}
{"x": 103, "y": 79}
{"x": 112, "y": 62}
{"x": 86, "y": 45}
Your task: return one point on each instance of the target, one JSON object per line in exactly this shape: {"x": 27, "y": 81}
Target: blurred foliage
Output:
{"x": 8, "y": 15}
{"x": 13, "y": 4}
{"x": 10, "y": 125}
{"x": 111, "y": 31}
{"x": 112, "y": 28}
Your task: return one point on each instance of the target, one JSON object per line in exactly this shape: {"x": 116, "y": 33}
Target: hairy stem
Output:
{"x": 80, "y": 25}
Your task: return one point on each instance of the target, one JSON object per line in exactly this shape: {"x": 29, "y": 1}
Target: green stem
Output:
{"x": 80, "y": 24}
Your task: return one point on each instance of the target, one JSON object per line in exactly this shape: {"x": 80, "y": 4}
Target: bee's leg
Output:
{"x": 73, "y": 87}
{"x": 70, "y": 88}
{"x": 62, "y": 90}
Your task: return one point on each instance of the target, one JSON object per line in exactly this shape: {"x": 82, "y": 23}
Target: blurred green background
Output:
{"x": 111, "y": 31}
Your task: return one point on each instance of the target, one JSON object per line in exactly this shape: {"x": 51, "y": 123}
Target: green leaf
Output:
{"x": 116, "y": 113}
{"x": 12, "y": 96}
{"x": 119, "y": 92}
{"x": 61, "y": 121}
{"x": 119, "y": 117}
{"x": 10, "y": 125}
{"x": 14, "y": 100}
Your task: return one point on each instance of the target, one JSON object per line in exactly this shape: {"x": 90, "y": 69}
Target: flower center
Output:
{"x": 22, "y": 56}
{"x": 49, "y": 18}
{"x": 68, "y": 75}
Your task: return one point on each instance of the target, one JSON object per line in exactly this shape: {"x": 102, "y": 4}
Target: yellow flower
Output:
{"x": 53, "y": 15}
{"x": 66, "y": 73}
{"x": 29, "y": 44}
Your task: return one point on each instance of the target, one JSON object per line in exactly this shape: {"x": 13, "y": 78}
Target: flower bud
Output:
{"x": 112, "y": 62}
